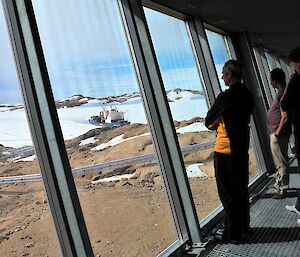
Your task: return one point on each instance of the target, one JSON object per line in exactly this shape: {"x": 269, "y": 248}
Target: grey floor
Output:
{"x": 276, "y": 232}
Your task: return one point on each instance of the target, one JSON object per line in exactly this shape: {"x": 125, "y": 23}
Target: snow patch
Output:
{"x": 87, "y": 141}
{"x": 115, "y": 141}
{"x": 197, "y": 126}
{"x": 113, "y": 178}
{"x": 194, "y": 171}
{"x": 83, "y": 99}
{"x": 27, "y": 159}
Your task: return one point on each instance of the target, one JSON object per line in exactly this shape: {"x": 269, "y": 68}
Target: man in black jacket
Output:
{"x": 291, "y": 103}
{"x": 230, "y": 116}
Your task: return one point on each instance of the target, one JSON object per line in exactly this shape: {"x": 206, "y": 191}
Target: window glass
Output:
{"x": 26, "y": 227}
{"x": 186, "y": 99}
{"x": 219, "y": 53}
{"x": 273, "y": 61}
{"x": 105, "y": 129}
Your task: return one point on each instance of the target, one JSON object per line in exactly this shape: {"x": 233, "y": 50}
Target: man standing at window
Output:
{"x": 290, "y": 103}
{"x": 230, "y": 116}
{"x": 279, "y": 131}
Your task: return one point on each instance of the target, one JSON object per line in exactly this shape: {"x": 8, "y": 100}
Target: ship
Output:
{"x": 109, "y": 118}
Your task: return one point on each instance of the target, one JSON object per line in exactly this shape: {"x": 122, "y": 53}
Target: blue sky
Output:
{"x": 87, "y": 53}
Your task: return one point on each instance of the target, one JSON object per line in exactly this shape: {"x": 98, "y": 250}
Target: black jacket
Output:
{"x": 235, "y": 105}
{"x": 291, "y": 100}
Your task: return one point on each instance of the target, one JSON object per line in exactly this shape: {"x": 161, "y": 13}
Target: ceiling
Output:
{"x": 274, "y": 24}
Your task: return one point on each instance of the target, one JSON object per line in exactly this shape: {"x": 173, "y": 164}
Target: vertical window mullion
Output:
{"x": 46, "y": 133}
{"x": 160, "y": 121}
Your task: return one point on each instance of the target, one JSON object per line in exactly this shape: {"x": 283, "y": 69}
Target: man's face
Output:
{"x": 226, "y": 76}
{"x": 296, "y": 66}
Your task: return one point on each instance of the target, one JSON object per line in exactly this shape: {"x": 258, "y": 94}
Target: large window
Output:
{"x": 105, "y": 128}
{"x": 186, "y": 97}
{"x": 26, "y": 226}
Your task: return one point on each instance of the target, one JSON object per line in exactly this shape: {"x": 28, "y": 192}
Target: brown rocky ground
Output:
{"x": 130, "y": 217}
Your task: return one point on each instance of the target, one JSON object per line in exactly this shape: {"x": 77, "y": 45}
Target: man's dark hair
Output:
{"x": 278, "y": 75}
{"x": 234, "y": 67}
{"x": 294, "y": 55}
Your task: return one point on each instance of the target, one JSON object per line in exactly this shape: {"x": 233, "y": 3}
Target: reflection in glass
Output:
{"x": 219, "y": 52}
{"x": 26, "y": 226}
{"x": 105, "y": 129}
{"x": 186, "y": 99}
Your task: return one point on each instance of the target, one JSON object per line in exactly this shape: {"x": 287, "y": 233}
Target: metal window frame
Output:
{"x": 253, "y": 132}
{"x": 264, "y": 77}
{"x": 163, "y": 9}
{"x": 284, "y": 68}
{"x": 204, "y": 58}
{"x": 161, "y": 123}
{"x": 245, "y": 54}
{"x": 46, "y": 132}
{"x": 267, "y": 69}
{"x": 271, "y": 61}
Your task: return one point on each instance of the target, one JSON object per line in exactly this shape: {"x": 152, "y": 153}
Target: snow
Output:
{"x": 87, "y": 141}
{"x": 27, "y": 159}
{"x": 83, "y": 99}
{"x": 115, "y": 141}
{"x": 113, "y": 178}
{"x": 194, "y": 171}
{"x": 94, "y": 103}
{"x": 14, "y": 131}
{"x": 197, "y": 126}
{"x": 74, "y": 97}
{"x": 4, "y": 109}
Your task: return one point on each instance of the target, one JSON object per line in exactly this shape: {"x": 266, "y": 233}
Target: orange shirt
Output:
{"x": 222, "y": 141}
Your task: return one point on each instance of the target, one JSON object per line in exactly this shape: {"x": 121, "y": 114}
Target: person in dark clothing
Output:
{"x": 230, "y": 116}
{"x": 290, "y": 103}
{"x": 279, "y": 130}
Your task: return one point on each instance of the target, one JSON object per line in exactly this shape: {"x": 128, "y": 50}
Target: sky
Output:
{"x": 87, "y": 53}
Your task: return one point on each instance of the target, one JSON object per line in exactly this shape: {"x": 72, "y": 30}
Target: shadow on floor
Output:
{"x": 290, "y": 193}
{"x": 272, "y": 235}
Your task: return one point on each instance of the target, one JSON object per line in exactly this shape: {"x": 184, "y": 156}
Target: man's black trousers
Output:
{"x": 232, "y": 175}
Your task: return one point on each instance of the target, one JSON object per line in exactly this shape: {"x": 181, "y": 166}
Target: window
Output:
{"x": 105, "y": 128}
{"x": 186, "y": 98}
{"x": 26, "y": 226}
